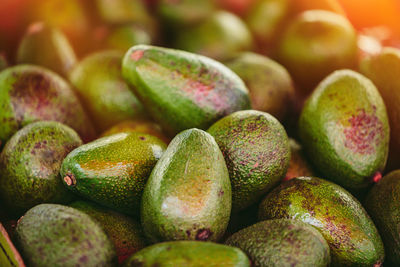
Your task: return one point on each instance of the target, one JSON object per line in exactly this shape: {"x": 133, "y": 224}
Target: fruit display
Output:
{"x": 199, "y": 133}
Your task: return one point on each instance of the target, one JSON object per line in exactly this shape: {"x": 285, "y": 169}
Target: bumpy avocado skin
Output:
{"x": 344, "y": 129}
{"x": 56, "y": 235}
{"x": 29, "y": 93}
{"x": 123, "y": 231}
{"x": 340, "y": 218}
{"x": 188, "y": 195}
{"x": 282, "y": 242}
{"x": 101, "y": 87}
{"x": 113, "y": 170}
{"x": 30, "y": 165}
{"x": 48, "y": 47}
{"x": 382, "y": 204}
{"x": 256, "y": 151}
{"x": 182, "y": 90}
{"x": 189, "y": 254}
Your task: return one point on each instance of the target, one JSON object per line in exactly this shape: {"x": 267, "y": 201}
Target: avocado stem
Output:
{"x": 377, "y": 177}
{"x": 70, "y": 179}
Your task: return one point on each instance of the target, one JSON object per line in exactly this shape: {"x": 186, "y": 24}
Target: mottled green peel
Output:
{"x": 182, "y": 90}
{"x": 188, "y": 195}
{"x": 113, "y": 170}
{"x": 256, "y": 151}
{"x": 282, "y": 242}
{"x": 188, "y": 254}
{"x": 340, "y": 218}
{"x": 30, "y": 165}
{"x": 344, "y": 129}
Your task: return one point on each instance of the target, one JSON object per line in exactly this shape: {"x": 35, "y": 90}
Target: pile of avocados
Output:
{"x": 196, "y": 133}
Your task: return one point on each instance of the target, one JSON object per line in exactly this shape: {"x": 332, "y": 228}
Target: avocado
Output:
{"x": 384, "y": 69}
{"x": 47, "y": 47}
{"x": 188, "y": 254}
{"x": 119, "y": 12}
{"x": 352, "y": 236}
{"x": 182, "y": 90}
{"x": 270, "y": 85}
{"x": 345, "y": 131}
{"x": 123, "y": 231}
{"x": 124, "y": 37}
{"x": 299, "y": 164}
{"x": 383, "y": 206}
{"x": 316, "y": 43}
{"x": 188, "y": 194}
{"x": 30, "y": 165}
{"x": 30, "y": 93}
{"x": 103, "y": 91}
{"x": 56, "y": 235}
{"x": 113, "y": 170}
{"x": 139, "y": 126}
{"x": 220, "y": 36}
{"x": 256, "y": 151}
{"x": 282, "y": 242}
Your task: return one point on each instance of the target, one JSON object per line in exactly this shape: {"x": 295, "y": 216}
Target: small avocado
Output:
{"x": 30, "y": 93}
{"x": 340, "y": 218}
{"x": 139, "y": 126}
{"x": 316, "y": 43}
{"x": 282, "y": 242}
{"x": 270, "y": 85}
{"x": 182, "y": 90}
{"x": 299, "y": 164}
{"x": 188, "y": 254}
{"x": 256, "y": 151}
{"x": 103, "y": 91}
{"x": 30, "y": 165}
{"x": 345, "y": 130}
{"x": 56, "y": 235}
{"x": 188, "y": 195}
{"x": 113, "y": 170}
{"x": 47, "y": 47}
{"x": 384, "y": 69}
{"x": 382, "y": 204}
{"x": 123, "y": 231}
{"x": 220, "y": 36}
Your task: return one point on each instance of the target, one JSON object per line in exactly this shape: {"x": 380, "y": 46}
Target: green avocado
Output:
{"x": 182, "y": 90}
{"x": 352, "y": 236}
{"x": 382, "y": 204}
{"x": 30, "y": 165}
{"x": 55, "y": 235}
{"x": 123, "y": 231}
{"x": 113, "y": 170}
{"x": 188, "y": 254}
{"x": 345, "y": 131}
{"x": 282, "y": 242}
{"x": 106, "y": 96}
{"x": 48, "y": 47}
{"x": 30, "y": 93}
{"x": 188, "y": 195}
{"x": 256, "y": 151}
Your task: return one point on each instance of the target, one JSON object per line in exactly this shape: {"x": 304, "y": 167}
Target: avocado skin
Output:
{"x": 181, "y": 90}
{"x": 30, "y": 165}
{"x": 30, "y": 93}
{"x": 189, "y": 254}
{"x": 124, "y": 232}
{"x": 344, "y": 129}
{"x": 256, "y": 151}
{"x": 340, "y": 218}
{"x": 47, "y": 47}
{"x": 299, "y": 164}
{"x": 382, "y": 204}
{"x": 56, "y": 235}
{"x": 112, "y": 171}
{"x": 282, "y": 242}
{"x": 188, "y": 195}
{"x": 99, "y": 83}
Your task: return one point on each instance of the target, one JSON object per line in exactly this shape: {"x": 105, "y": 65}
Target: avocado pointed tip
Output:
{"x": 70, "y": 179}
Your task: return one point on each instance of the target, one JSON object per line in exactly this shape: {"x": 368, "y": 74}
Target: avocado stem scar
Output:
{"x": 70, "y": 179}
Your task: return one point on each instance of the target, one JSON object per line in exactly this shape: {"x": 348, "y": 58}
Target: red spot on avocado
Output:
{"x": 377, "y": 177}
{"x": 364, "y": 133}
{"x": 138, "y": 54}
